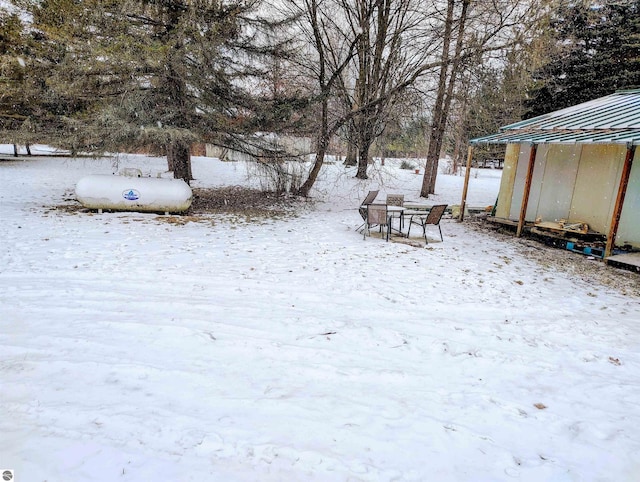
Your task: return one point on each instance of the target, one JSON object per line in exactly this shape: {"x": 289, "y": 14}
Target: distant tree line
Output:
{"x": 381, "y": 76}
{"x": 579, "y": 51}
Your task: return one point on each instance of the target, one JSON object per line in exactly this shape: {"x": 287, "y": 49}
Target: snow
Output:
{"x": 135, "y": 348}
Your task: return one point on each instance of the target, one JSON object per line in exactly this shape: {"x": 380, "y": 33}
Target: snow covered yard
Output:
{"x": 135, "y": 348}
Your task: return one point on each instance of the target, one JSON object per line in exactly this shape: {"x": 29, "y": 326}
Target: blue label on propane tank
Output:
{"x": 131, "y": 195}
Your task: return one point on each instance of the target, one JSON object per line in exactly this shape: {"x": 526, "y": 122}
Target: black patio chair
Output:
{"x": 425, "y": 219}
{"x": 377, "y": 215}
{"x": 397, "y": 200}
{"x": 371, "y": 196}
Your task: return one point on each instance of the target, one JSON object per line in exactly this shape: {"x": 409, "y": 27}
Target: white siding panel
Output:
{"x": 506, "y": 182}
{"x": 597, "y": 185}
{"x": 518, "y": 185}
{"x": 558, "y": 182}
{"x": 536, "y": 182}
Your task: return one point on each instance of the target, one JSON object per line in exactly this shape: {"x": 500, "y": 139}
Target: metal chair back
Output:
{"x": 377, "y": 215}
{"x": 395, "y": 199}
{"x": 371, "y": 196}
{"x": 433, "y": 217}
{"x": 435, "y": 214}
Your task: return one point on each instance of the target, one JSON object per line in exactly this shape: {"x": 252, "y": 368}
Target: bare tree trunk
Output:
{"x": 460, "y": 140}
{"x": 455, "y": 157}
{"x": 381, "y": 27}
{"x": 323, "y": 142}
{"x": 28, "y": 147}
{"x": 352, "y": 158}
{"x": 365, "y": 139}
{"x": 324, "y": 136}
{"x": 179, "y": 157}
{"x": 170, "y": 163}
{"x": 445, "y": 93}
{"x": 364, "y": 146}
{"x": 433, "y": 153}
{"x": 15, "y": 150}
{"x": 363, "y": 160}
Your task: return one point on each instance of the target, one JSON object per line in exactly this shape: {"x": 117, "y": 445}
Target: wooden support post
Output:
{"x": 527, "y": 189}
{"x": 466, "y": 183}
{"x": 622, "y": 191}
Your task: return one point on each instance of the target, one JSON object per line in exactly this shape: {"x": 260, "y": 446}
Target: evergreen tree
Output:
{"x": 11, "y": 73}
{"x": 597, "y": 51}
{"x": 32, "y": 108}
{"x": 159, "y": 74}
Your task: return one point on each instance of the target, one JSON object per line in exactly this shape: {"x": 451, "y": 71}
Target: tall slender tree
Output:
{"x": 449, "y": 71}
{"x": 331, "y": 52}
{"x": 367, "y": 53}
{"x": 471, "y": 32}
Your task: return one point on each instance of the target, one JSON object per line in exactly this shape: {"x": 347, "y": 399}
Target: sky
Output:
{"x": 139, "y": 346}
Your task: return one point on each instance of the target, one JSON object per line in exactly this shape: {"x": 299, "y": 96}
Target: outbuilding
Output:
{"x": 574, "y": 174}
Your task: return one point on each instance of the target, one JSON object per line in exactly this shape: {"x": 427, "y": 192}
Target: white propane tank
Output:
{"x": 125, "y": 193}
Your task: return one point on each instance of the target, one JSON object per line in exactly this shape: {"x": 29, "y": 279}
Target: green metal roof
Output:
{"x": 613, "y": 119}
